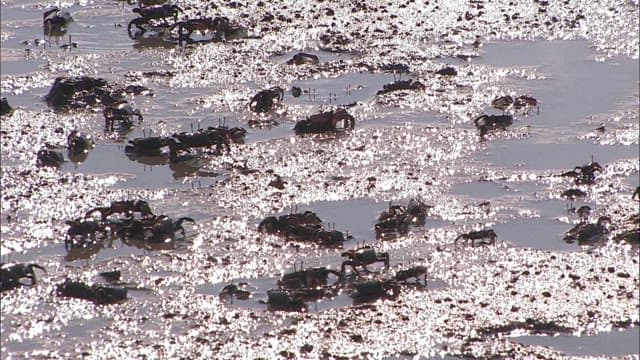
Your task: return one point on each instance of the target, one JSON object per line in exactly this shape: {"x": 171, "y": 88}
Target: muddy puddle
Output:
{"x": 534, "y": 293}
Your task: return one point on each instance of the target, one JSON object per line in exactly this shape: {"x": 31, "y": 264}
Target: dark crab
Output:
{"x": 487, "y": 123}
{"x": 303, "y": 58}
{"x": 205, "y": 138}
{"x": 147, "y": 14}
{"x": 479, "y": 235}
{"x": 376, "y": 289}
{"x": 82, "y": 231}
{"x": 77, "y": 92}
{"x": 401, "y": 85}
{"x": 125, "y": 207}
{"x": 13, "y": 275}
{"x": 78, "y": 143}
{"x": 164, "y": 226}
{"x": 362, "y": 257}
{"x": 219, "y": 26}
{"x": 55, "y": 21}
{"x": 265, "y": 100}
{"x": 5, "y": 108}
{"x": 307, "y": 279}
{"x": 50, "y": 158}
{"x": 120, "y": 111}
{"x": 589, "y": 233}
{"x": 150, "y": 146}
{"x": 100, "y": 295}
{"x": 414, "y": 272}
{"x": 336, "y": 120}
{"x": 233, "y": 291}
{"x": 521, "y": 102}
{"x": 282, "y": 300}
{"x": 279, "y": 225}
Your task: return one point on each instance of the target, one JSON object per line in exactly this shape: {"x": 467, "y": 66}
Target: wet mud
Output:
{"x": 535, "y": 292}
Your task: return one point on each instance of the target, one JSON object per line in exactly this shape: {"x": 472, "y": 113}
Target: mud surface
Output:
{"x": 532, "y": 294}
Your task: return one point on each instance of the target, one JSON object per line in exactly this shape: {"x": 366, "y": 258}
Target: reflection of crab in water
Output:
{"x": 147, "y": 14}
{"x": 55, "y": 21}
{"x": 264, "y": 100}
{"x": 479, "y": 235}
{"x": 120, "y": 111}
{"x": 362, "y": 257}
{"x": 336, "y": 120}
{"x": 13, "y": 275}
{"x": 487, "y": 123}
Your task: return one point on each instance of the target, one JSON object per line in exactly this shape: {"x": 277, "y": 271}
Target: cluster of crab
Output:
{"x": 326, "y": 121}
{"x": 13, "y": 276}
{"x": 398, "y": 218}
{"x": 119, "y": 219}
{"x": 88, "y": 92}
{"x": 164, "y": 18}
{"x": 180, "y": 144}
{"x": 300, "y": 287}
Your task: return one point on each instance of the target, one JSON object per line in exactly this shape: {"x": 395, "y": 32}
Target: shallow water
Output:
{"x": 413, "y": 145}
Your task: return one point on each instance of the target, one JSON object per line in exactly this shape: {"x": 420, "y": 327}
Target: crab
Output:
{"x": 5, "y": 108}
{"x": 85, "y": 229}
{"x": 55, "y": 20}
{"x": 479, "y": 235}
{"x": 100, "y": 295}
{"x": 573, "y": 194}
{"x": 234, "y": 134}
{"x": 157, "y": 229}
{"x": 636, "y": 194}
{"x": 204, "y": 138}
{"x": 232, "y": 291}
{"x": 398, "y": 218}
{"x": 306, "y": 279}
{"x": 150, "y": 146}
{"x": 279, "y": 225}
{"x": 126, "y": 207}
{"x": 487, "y": 123}
{"x": 219, "y": 26}
{"x": 336, "y": 120}
{"x": 78, "y": 143}
{"x": 12, "y": 274}
{"x": 282, "y": 300}
{"x": 414, "y": 272}
{"x": 521, "y": 102}
{"x": 401, "y": 85}
{"x": 588, "y": 233}
{"x": 362, "y": 257}
{"x": 147, "y": 14}
{"x": 76, "y": 92}
{"x": 120, "y": 111}
{"x": 264, "y": 100}
{"x": 303, "y": 58}
{"x": 50, "y": 158}
{"x": 371, "y": 290}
